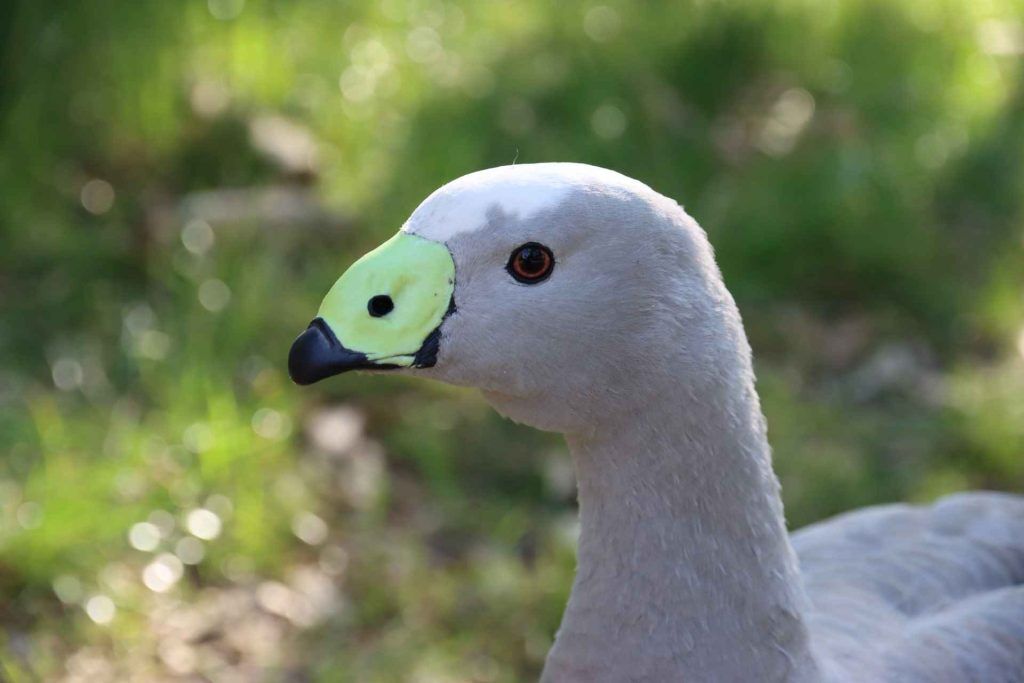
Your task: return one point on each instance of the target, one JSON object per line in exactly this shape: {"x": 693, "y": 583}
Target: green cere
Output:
{"x": 418, "y": 275}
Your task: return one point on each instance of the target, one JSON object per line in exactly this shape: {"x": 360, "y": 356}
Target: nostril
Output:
{"x": 380, "y": 305}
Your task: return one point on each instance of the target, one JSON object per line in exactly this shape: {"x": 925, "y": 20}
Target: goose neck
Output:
{"x": 685, "y": 569}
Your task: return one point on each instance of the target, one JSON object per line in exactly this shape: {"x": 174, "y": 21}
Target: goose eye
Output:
{"x": 531, "y": 263}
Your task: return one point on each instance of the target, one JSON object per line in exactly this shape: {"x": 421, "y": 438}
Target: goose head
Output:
{"x": 568, "y": 294}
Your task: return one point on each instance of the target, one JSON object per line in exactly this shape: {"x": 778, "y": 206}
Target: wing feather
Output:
{"x": 913, "y": 593}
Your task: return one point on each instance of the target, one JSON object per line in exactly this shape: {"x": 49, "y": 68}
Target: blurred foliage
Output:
{"x": 181, "y": 182}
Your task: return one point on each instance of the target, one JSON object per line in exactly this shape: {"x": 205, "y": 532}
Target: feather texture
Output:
{"x": 934, "y": 593}
{"x": 634, "y": 349}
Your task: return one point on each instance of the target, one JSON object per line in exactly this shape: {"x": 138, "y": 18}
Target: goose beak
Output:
{"x": 317, "y": 354}
{"x": 385, "y": 312}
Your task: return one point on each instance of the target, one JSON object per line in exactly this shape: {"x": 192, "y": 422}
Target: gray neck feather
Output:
{"x": 685, "y": 569}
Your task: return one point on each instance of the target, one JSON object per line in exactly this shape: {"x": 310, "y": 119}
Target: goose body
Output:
{"x": 929, "y": 593}
{"x": 581, "y": 301}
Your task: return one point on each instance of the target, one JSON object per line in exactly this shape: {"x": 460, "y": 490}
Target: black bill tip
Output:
{"x": 317, "y": 354}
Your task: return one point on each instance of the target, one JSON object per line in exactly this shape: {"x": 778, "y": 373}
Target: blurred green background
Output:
{"x": 181, "y": 182}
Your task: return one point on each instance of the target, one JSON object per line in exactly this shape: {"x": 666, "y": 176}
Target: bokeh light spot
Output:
{"x": 608, "y": 121}
{"x": 144, "y": 536}
{"x": 423, "y": 45}
{"x": 309, "y": 528}
{"x": 1000, "y": 37}
{"x": 197, "y": 236}
{"x": 67, "y": 374}
{"x": 271, "y": 424}
{"x": 209, "y": 98}
{"x": 204, "y": 524}
{"x": 220, "y": 504}
{"x": 225, "y": 10}
{"x": 788, "y": 117}
{"x": 153, "y": 344}
{"x": 30, "y": 515}
{"x": 601, "y": 23}
{"x": 190, "y": 550}
{"x": 198, "y": 437}
{"x": 97, "y": 196}
{"x": 68, "y": 589}
{"x": 162, "y": 573}
{"x": 336, "y": 430}
{"x": 100, "y": 609}
{"x": 214, "y": 295}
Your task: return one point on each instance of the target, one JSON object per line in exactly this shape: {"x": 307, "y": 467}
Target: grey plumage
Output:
{"x": 919, "y": 593}
{"x": 635, "y": 351}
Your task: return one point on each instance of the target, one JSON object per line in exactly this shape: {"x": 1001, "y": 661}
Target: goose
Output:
{"x": 581, "y": 301}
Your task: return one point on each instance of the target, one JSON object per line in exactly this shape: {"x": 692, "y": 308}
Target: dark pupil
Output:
{"x": 532, "y": 260}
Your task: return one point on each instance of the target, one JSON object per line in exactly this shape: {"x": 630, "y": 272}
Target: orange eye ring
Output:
{"x": 531, "y": 263}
